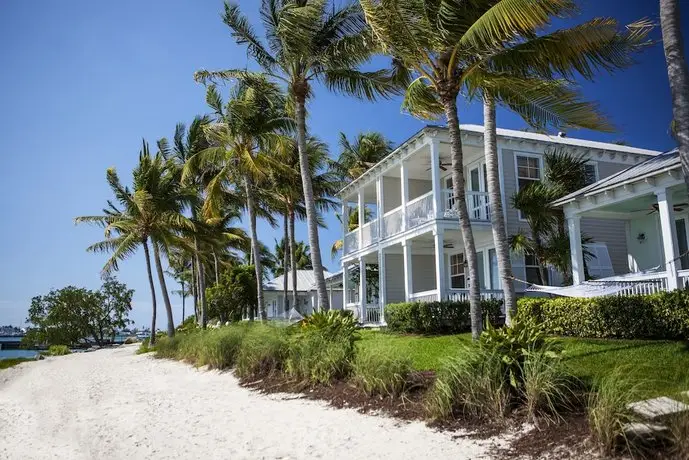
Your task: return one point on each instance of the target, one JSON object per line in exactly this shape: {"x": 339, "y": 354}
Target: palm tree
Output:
{"x": 151, "y": 212}
{"x": 447, "y": 46}
{"x": 678, "y": 75}
{"x": 309, "y": 41}
{"x": 180, "y": 270}
{"x": 356, "y": 158}
{"x": 244, "y": 130}
{"x": 302, "y": 256}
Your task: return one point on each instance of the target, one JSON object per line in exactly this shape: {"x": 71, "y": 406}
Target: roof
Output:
{"x": 305, "y": 281}
{"x": 659, "y": 164}
{"x": 504, "y": 133}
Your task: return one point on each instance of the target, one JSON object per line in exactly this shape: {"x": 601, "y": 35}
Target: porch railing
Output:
{"x": 374, "y": 313}
{"x": 392, "y": 222}
{"x": 420, "y": 210}
{"x": 370, "y": 233}
{"x": 462, "y": 295}
{"x": 351, "y": 242}
{"x": 425, "y": 296}
{"x": 478, "y": 205}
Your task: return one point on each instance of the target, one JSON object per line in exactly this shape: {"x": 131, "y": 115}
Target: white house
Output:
{"x": 278, "y": 307}
{"x": 650, "y": 200}
{"x": 412, "y": 238}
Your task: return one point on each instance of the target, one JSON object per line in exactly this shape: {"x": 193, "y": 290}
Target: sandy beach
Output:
{"x": 114, "y": 404}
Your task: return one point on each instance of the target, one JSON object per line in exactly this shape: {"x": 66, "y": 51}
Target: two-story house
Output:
{"x": 410, "y": 242}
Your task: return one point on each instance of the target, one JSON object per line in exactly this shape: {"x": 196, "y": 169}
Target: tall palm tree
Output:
{"x": 357, "y": 157}
{"x": 245, "y": 128}
{"x": 678, "y": 75}
{"x": 152, "y": 211}
{"x": 303, "y": 256}
{"x": 445, "y": 46}
{"x": 309, "y": 41}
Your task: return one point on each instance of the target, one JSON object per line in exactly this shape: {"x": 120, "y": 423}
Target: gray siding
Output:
{"x": 394, "y": 278}
{"x": 423, "y": 272}
{"x": 613, "y": 234}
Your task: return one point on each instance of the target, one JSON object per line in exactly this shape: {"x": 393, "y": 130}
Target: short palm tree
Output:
{"x": 152, "y": 211}
{"x": 244, "y": 130}
{"x": 447, "y": 46}
{"x": 309, "y": 41}
{"x": 358, "y": 156}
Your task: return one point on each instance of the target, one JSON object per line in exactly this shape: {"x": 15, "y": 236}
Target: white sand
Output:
{"x": 113, "y": 404}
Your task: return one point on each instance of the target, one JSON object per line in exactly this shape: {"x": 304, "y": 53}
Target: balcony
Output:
{"x": 417, "y": 212}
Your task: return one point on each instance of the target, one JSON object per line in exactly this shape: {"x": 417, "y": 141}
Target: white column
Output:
{"x": 362, "y": 289}
{"x": 345, "y": 223}
{"x": 382, "y": 295}
{"x": 575, "y": 249}
{"x": 435, "y": 178}
{"x": 404, "y": 181}
{"x": 380, "y": 205}
{"x": 362, "y": 215}
{"x": 408, "y": 286}
{"x": 345, "y": 287}
{"x": 439, "y": 237}
{"x": 668, "y": 230}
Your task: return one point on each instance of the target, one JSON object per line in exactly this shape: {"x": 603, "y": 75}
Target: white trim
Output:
{"x": 519, "y": 153}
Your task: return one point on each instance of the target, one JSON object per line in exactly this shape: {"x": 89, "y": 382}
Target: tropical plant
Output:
{"x": 234, "y": 295}
{"x": 678, "y": 75}
{"x": 357, "y": 157}
{"x": 152, "y": 211}
{"x": 302, "y": 257}
{"x": 244, "y": 130}
{"x": 309, "y": 41}
{"x": 447, "y": 46}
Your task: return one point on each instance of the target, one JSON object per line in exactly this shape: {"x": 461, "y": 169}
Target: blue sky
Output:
{"x": 82, "y": 82}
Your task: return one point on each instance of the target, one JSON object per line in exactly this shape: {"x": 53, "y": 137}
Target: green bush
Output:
{"x": 332, "y": 325}
{"x": 472, "y": 383}
{"x": 657, "y": 316}
{"x": 314, "y": 358}
{"x": 167, "y": 347}
{"x": 379, "y": 372}
{"x": 58, "y": 350}
{"x": 263, "y": 351}
{"x": 218, "y": 348}
{"x": 446, "y": 317}
{"x": 145, "y": 347}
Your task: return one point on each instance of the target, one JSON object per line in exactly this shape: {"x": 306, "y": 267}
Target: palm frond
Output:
{"x": 244, "y": 34}
{"x": 422, "y": 101}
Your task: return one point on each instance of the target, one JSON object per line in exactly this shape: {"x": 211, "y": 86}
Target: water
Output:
{"x": 6, "y": 354}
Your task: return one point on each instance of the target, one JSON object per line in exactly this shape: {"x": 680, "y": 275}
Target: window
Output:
{"x": 533, "y": 274}
{"x": 528, "y": 172}
{"x": 494, "y": 272}
{"x": 457, "y": 276}
{"x": 597, "y": 260}
{"x": 591, "y": 173}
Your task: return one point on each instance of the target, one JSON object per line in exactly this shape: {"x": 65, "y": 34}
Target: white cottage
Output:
{"x": 278, "y": 307}
{"x": 412, "y": 238}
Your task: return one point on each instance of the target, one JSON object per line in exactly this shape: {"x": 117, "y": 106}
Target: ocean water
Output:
{"x": 5, "y": 354}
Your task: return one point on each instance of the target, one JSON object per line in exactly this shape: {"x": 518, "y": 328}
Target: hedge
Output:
{"x": 657, "y": 316}
{"x": 446, "y": 317}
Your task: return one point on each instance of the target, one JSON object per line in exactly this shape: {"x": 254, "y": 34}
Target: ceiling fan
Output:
{"x": 441, "y": 164}
{"x": 678, "y": 207}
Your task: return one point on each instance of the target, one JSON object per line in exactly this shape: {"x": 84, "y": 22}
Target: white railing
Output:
{"x": 651, "y": 283}
{"x": 683, "y": 280}
{"x": 369, "y": 233}
{"x": 462, "y": 295}
{"x": 351, "y": 242}
{"x": 392, "y": 223}
{"x": 478, "y": 205}
{"x": 425, "y": 296}
{"x": 374, "y": 313}
{"x": 420, "y": 210}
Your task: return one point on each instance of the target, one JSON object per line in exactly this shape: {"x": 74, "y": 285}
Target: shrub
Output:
{"x": 145, "y": 347}
{"x": 167, "y": 347}
{"x": 314, "y": 358}
{"x": 58, "y": 350}
{"x": 472, "y": 383}
{"x": 262, "y": 352}
{"x": 657, "y": 316}
{"x": 130, "y": 340}
{"x": 446, "y": 317}
{"x": 332, "y": 325}
{"x": 608, "y": 410}
{"x": 188, "y": 325}
{"x": 218, "y": 348}
{"x": 379, "y": 372}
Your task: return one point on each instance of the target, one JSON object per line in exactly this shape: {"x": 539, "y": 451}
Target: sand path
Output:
{"x": 114, "y": 404}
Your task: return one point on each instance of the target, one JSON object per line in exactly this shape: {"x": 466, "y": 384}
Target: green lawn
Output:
{"x": 663, "y": 365}
{"x": 9, "y": 362}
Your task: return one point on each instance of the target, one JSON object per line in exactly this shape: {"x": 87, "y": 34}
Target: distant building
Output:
{"x": 279, "y": 307}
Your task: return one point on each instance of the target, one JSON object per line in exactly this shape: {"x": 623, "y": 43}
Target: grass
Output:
{"x": 10, "y": 362}
{"x": 663, "y": 365}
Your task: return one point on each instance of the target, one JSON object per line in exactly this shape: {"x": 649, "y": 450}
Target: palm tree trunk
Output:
{"x": 163, "y": 287}
{"x": 678, "y": 75}
{"x": 293, "y": 257}
{"x": 285, "y": 261}
{"x": 215, "y": 267}
{"x": 201, "y": 288}
{"x": 184, "y": 296}
{"x": 497, "y": 218}
{"x": 152, "y": 340}
{"x": 194, "y": 290}
{"x": 449, "y": 102}
{"x": 309, "y": 202}
{"x": 254, "y": 248}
